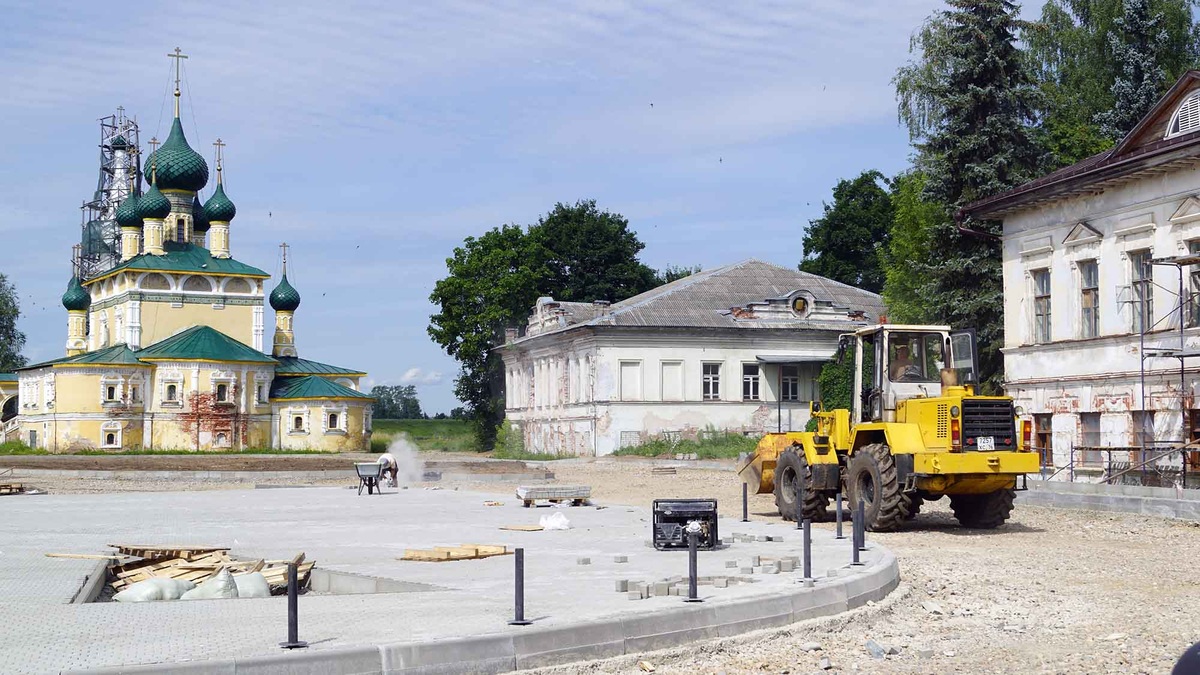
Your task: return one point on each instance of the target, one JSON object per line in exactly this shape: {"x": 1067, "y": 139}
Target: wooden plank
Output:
{"x": 85, "y": 556}
{"x": 523, "y": 528}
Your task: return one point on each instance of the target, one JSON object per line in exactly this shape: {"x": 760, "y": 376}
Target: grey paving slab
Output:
{"x": 454, "y": 618}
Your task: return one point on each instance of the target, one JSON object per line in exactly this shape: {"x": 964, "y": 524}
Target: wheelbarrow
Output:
{"x": 369, "y": 475}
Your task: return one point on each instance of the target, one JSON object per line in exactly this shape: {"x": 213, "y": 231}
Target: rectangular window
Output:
{"x": 791, "y": 383}
{"x": 260, "y": 393}
{"x": 1143, "y": 427}
{"x": 631, "y": 380}
{"x": 672, "y": 380}
{"x": 1089, "y": 298}
{"x": 1089, "y": 439}
{"x": 750, "y": 382}
{"x": 1142, "y": 296}
{"x": 135, "y": 393}
{"x": 1042, "y": 435}
{"x": 1041, "y": 306}
{"x": 712, "y": 382}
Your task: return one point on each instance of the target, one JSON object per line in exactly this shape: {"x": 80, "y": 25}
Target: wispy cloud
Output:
{"x": 420, "y": 376}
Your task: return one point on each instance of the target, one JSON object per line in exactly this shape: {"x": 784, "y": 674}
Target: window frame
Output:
{"x": 1141, "y": 290}
{"x": 1089, "y": 316}
{"x": 751, "y": 383}
{"x": 710, "y": 383}
{"x": 789, "y": 384}
{"x": 1042, "y": 305}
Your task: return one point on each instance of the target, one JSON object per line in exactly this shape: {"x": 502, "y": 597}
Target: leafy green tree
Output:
{"x": 1071, "y": 53}
{"x": 1138, "y": 41}
{"x": 397, "y": 402}
{"x": 11, "y": 339}
{"x": 844, "y": 243}
{"x": 493, "y": 282}
{"x": 969, "y": 104}
{"x": 574, "y": 253}
{"x": 905, "y": 257}
{"x": 675, "y": 272}
{"x": 586, "y": 254}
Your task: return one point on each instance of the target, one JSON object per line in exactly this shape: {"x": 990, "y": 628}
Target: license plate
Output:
{"x": 986, "y": 443}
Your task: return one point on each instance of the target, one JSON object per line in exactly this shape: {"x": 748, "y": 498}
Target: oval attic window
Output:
{"x": 1187, "y": 116}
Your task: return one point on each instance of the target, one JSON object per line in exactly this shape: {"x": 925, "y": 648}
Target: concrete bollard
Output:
{"x": 519, "y": 610}
{"x": 293, "y": 641}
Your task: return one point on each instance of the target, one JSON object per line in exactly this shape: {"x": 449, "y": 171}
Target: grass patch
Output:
{"x": 19, "y": 448}
{"x": 711, "y": 446}
{"x": 428, "y": 435}
{"x": 506, "y": 453}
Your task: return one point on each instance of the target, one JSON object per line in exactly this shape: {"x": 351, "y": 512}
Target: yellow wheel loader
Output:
{"x": 918, "y": 432}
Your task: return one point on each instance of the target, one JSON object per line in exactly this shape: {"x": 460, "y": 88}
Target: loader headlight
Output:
{"x": 954, "y": 411}
{"x": 1019, "y": 411}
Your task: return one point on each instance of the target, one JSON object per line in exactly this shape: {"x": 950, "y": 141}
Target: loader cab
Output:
{"x": 895, "y": 363}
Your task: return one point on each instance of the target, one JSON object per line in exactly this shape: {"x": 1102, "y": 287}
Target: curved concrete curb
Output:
{"x": 519, "y": 648}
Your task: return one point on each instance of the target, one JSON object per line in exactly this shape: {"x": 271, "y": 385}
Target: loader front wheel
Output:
{"x": 871, "y": 476}
{"x": 790, "y": 469}
{"x": 983, "y": 512}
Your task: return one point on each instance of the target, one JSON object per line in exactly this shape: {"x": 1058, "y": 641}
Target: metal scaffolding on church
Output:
{"x": 100, "y": 239}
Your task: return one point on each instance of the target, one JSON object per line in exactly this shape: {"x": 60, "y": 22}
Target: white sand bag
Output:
{"x": 154, "y": 589}
{"x": 555, "y": 521}
{"x": 253, "y": 585}
{"x": 220, "y": 586}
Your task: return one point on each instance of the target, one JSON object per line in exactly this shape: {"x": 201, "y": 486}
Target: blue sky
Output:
{"x": 379, "y": 135}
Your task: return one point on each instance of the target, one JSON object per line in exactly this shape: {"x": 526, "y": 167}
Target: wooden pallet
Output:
{"x": 11, "y": 488}
{"x": 165, "y": 551}
{"x": 449, "y": 553}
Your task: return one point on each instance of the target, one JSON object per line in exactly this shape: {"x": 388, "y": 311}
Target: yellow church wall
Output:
{"x": 314, "y": 436}
{"x": 66, "y": 433}
{"x": 160, "y": 320}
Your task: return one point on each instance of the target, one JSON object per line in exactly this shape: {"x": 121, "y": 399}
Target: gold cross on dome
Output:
{"x": 219, "y": 145}
{"x": 179, "y": 56}
{"x": 284, "y": 247}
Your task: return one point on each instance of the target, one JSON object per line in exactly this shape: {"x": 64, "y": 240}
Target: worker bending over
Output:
{"x": 390, "y": 468}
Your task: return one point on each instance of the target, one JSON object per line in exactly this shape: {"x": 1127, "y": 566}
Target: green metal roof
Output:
{"x": 116, "y": 355}
{"x": 154, "y": 204}
{"x": 284, "y": 298}
{"x": 199, "y": 221}
{"x": 311, "y": 386}
{"x": 128, "y": 213}
{"x": 184, "y": 257}
{"x": 219, "y": 208}
{"x": 294, "y": 365}
{"x": 202, "y": 342}
{"x": 8, "y": 377}
{"x": 179, "y": 167}
{"x": 76, "y": 298}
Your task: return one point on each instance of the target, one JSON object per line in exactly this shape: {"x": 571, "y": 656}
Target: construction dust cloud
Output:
{"x": 409, "y": 467}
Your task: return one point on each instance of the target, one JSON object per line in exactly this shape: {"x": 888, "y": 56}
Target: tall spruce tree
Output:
{"x": 969, "y": 104}
{"x": 1138, "y": 41}
{"x": 11, "y": 339}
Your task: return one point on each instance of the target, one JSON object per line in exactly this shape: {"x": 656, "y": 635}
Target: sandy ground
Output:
{"x": 1053, "y": 591}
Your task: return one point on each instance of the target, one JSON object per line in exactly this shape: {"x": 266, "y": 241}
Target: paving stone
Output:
{"x": 661, "y": 588}
{"x": 634, "y": 595}
{"x": 721, "y": 582}
{"x": 731, "y": 563}
{"x": 622, "y": 585}
{"x": 746, "y": 570}
{"x": 583, "y": 561}
{"x": 620, "y": 558}
{"x": 786, "y": 566}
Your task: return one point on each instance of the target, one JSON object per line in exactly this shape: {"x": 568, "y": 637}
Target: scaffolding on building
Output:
{"x": 100, "y": 239}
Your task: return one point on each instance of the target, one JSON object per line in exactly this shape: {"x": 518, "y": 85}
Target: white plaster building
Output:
{"x": 1094, "y": 256}
{"x": 736, "y": 348}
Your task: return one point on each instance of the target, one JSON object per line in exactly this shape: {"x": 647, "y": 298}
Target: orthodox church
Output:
{"x": 165, "y": 348}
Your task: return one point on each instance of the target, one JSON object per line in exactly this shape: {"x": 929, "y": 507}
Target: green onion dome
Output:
{"x": 119, "y": 143}
{"x": 179, "y": 166}
{"x": 199, "y": 220}
{"x": 218, "y": 208}
{"x": 154, "y": 204}
{"x": 128, "y": 213}
{"x": 76, "y": 298}
{"x": 285, "y": 298}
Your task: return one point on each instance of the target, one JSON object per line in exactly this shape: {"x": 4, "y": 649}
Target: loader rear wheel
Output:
{"x": 790, "y": 468}
{"x": 983, "y": 512}
{"x": 871, "y": 476}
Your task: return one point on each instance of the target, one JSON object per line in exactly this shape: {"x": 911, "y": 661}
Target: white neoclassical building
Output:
{"x": 737, "y": 348}
{"x": 1101, "y": 267}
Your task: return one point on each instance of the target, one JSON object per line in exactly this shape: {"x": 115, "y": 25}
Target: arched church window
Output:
{"x": 222, "y": 393}
{"x": 110, "y": 393}
{"x": 172, "y": 392}
{"x": 110, "y": 439}
{"x": 297, "y": 423}
{"x": 333, "y": 420}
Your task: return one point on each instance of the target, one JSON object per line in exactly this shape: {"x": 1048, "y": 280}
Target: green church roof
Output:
{"x": 204, "y": 343}
{"x": 219, "y": 208}
{"x": 179, "y": 167}
{"x": 154, "y": 204}
{"x": 8, "y": 377}
{"x": 185, "y": 257}
{"x": 294, "y": 365}
{"x": 76, "y": 298}
{"x": 312, "y": 386}
{"x": 128, "y": 213}
{"x": 284, "y": 297}
{"x": 116, "y": 355}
